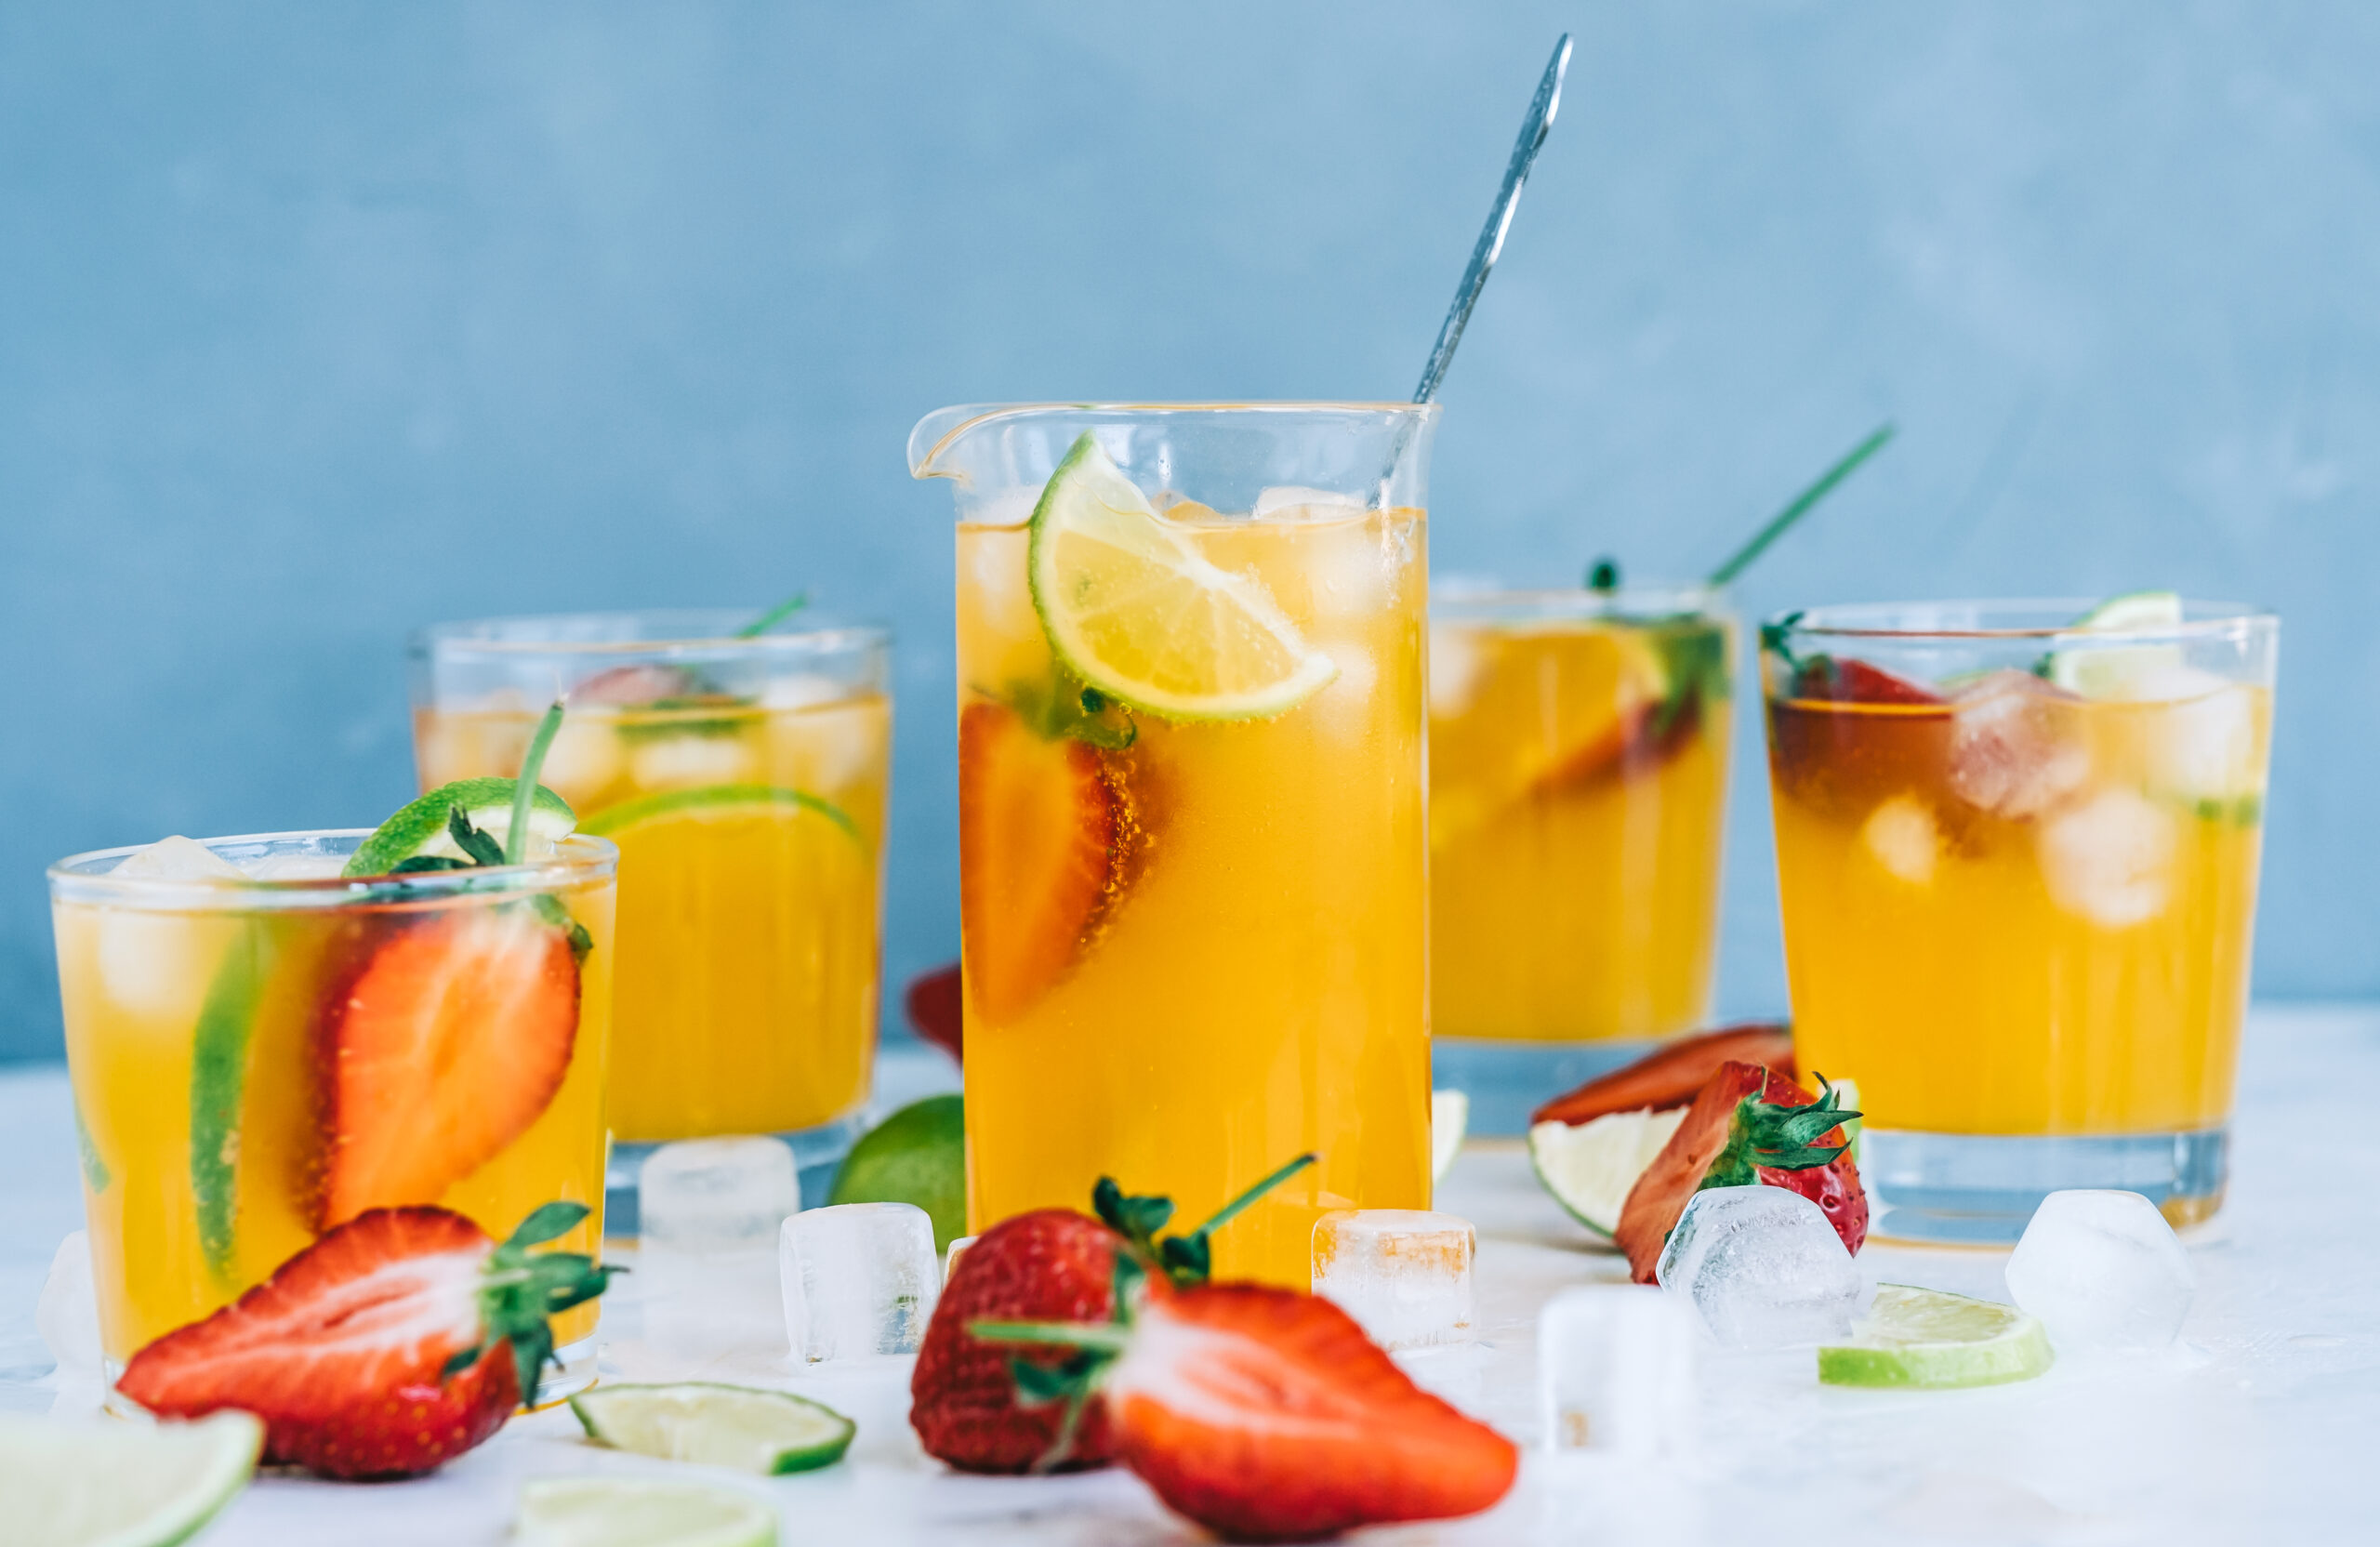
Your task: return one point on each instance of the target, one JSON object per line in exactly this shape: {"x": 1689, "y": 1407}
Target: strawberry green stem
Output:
{"x": 1105, "y": 1337}
{"x": 1767, "y": 1136}
{"x": 525, "y": 790}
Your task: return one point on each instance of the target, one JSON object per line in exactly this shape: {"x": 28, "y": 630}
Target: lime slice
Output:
{"x": 918, "y": 1155}
{"x": 713, "y": 803}
{"x": 640, "y": 1511}
{"x": 2120, "y": 672}
{"x": 1133, "y": 608}
{"x": 1449, "y": 1117}
{"x": 420, "y": 828}
{"x": 1590, "y": 1168}
{"x": 1913, "y": 1337}
{"x": 750, "y": 1430}
{"x": 121, "y": 1484}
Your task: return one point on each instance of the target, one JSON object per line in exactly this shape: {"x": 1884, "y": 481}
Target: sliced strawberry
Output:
{"x": 1266, "y": 1415}
{"x": 399, "y": 1340}
{"x": 448, "y": 1041}
{"x": 630, "y": 685}
{"x": 1846, "y": 680}
{"x": 937, "y": 1010}
{"x": 1671, "y": 1073}
{"x": 1748, "y": 1124}
{"x": 1037, "y": 854}
{"x": 1052, "y": 1265}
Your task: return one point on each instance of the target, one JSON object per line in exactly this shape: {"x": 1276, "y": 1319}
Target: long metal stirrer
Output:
{"x": 1541, "y": 108}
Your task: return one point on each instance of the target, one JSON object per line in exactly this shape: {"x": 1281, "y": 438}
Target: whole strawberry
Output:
{"x": 395, "y": 1343}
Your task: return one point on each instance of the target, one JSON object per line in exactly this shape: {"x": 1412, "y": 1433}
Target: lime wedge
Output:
{"x": 420, "y": 828}
{"x": 121, "y": 1484}
{"x": 1913, "y": 1337}
{"x": 1133, "y": 608}
{"x": 2120, "y": 672}
{"x": 713, "y": 803}
{"x": 1449, "y": 1117}
{"x": 767, "y": 1432}
{"x": 1590, "y": 1168}
{"x": 640, "y": 1511}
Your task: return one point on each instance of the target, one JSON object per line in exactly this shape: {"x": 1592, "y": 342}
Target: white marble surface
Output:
{"x": 2259, "y": 1428}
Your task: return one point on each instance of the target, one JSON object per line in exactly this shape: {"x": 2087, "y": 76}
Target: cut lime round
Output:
{"x": 2120, "y": 672}
{"x": 1449, "y": 1118}
{"x": 119, "y": 1485}
{"x": 640, "y": 1511}
{"x": 1590, "y": 1168}
{"x": 1133, "y": 608}
{"x": 750, "y": 1430}
{"x": 1913, "y": 1337}
{"x": 420, "y": 828}
{"x": 918, "y": 1155}
{"x": 714, "y": 803}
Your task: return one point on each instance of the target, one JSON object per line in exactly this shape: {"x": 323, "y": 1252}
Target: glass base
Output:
{"x": 817, "y": 1153}
{"x": 1507, "y": 1080}
{"x": 1978, "y": 1190}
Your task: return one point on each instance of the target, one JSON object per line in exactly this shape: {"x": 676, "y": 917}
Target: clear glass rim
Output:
{"x": 1888, "y": 620}
{"x": 934, "y": 434}
{"x": 1462, "y": 601}
{"x": 579, "y": 858}
{"x": 706, "y": 631}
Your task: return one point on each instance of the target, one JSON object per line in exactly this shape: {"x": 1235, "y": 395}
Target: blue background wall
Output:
{"x": 318, "y": 320}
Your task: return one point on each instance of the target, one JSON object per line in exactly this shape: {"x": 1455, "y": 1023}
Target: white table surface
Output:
{"x": 2261, "y": 1427}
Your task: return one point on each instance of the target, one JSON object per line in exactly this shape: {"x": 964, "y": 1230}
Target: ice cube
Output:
{"x": 716, "y": 1195}
{"x": 295, "y": 865}
{"x": 688, "y": 760}
{"x": 1615, "y": 1369}
{"x": 858, "y": 1280}
{"x": 2202, "y": 739}
{"x": 1903, "y": 837}
{"x": 2110, "y": 859}
{"x": 67, "y": 1316}
{"x": 1403, "y": 1273}
{"x": 950, "y": 1258}
{"x": 1290, "y": 502}
{"x": 2017, "y": 745}
{"x": 176, "y": 859}
{"x": 2102, "y": 1270}
{"x": 800, "y": 690}
{"x": 584, "y": 755}
{"x": 1762, "y": 1267}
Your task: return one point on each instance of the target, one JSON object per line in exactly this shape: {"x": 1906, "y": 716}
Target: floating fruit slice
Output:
{"x": 1673, "y": 1073}
{"x": 1588, "y": 1167}
{"x": 118, "y": 1485}
{"x": 420, "y": 828}
{"x": 2120, "y": 672}
{"x": 714, "y": 803}
{"x": 639, "y": 1512}
{"x": 1134, "y": 609}
{"x": 1913, "y": 1337}
{"x": 448, "y": 1041}
{"x": 1038, "y": 833}
{"x": 767, "y": 1432}
{"x": 1449, "y": 1117}
{"x": 219, "y": 1077}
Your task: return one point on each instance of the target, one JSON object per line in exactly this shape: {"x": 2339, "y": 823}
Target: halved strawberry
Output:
{"x": 1038, "y": 848}
{"x": 1748, "y": 1124}
{"x": 630, "y": 685}
{"x": 448, "y": 1041}
{"x": 396, "y": 1341}
{"x": 1847, "y": 680}
{"x": 1670, "y": 1075}
{"x": 937, "y": 1010}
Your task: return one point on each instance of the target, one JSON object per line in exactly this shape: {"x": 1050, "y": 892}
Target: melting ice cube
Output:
{"x": 584, "y": 755}
{"x": 688, "y": 758}
{"x": 1615, "y": 1369}
{"x": 159, "y": 964}
{"x": 2110, "y": 859}
{"x": 1762, "y": 1267}
{"x": 67, "y": 1316}
{"x": 858, "y": 1280}
{"x": 176, "y": 859}
{"x": 716, "y": 1195}
{"x": 1903, "y": 837}
{"x": 295, "y": 865}
{"x": 1403, "y": 1273}
{"x": 2018, "y": 744}
{"x": 950, "y": 1258}
{"x": 2103, "y": 1270}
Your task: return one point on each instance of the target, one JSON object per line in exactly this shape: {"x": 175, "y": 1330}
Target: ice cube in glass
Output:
{"x": 1762, "y": 1267}
{"x": 1615, "y": 1369}
{"x": 1403, "y": 1273}
{"x": 2102, "y": 1271}
{"x": 716, "y": 1194}
{"x": 858, "y": 1280}
{"x": 2018, "y": 745}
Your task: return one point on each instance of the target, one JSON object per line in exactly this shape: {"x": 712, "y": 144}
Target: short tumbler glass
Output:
{"x": 251, "y": 1065}
{"x": 2018, "y": 859}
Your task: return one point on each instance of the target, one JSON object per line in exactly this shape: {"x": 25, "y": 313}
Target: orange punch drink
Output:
{"x": 2017, "y": 845}
{"x": 745, "y": 780}
{"x": 1578, "y": 793}
{"x": 263, "y": 1048}
{"x": 1192, "y": 846}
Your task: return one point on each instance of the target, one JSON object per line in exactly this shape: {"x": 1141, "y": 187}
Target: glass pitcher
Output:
{"x": 1192, "y": 827}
